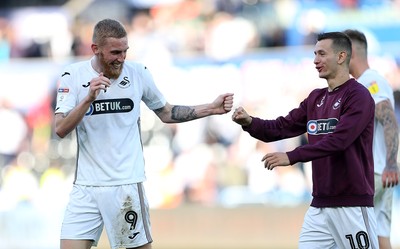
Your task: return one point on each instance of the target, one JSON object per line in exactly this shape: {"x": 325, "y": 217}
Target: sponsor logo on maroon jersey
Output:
{"x": 321, "y": 126}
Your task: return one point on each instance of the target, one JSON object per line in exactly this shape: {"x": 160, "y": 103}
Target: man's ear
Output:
{"x": 95, "y": 49}
{"x": 342, "y": 57}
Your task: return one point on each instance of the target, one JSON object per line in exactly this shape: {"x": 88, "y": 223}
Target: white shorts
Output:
{"x": 383, "y": 202}
{"x": 123, "y": 210}
{"x": 340, "y": 227}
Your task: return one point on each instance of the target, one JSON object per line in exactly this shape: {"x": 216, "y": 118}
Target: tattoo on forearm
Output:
{"x": 158, "y": 111}
{"x": 384, "y": 113}
{"x": 183, "y": 113}
{"x": 393, "y": 141}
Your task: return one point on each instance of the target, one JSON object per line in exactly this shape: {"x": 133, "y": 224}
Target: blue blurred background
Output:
{"x": 262, "y": 50}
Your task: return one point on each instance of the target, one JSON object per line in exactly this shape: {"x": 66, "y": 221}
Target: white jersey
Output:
{"x": 380, "y": 90}
{"x": 109, "y": 141}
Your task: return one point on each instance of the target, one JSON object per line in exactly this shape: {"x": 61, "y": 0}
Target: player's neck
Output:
{"x": 360, "y": 69}
{"x": 334, "y": 84}
{"x": 95, "y": 64}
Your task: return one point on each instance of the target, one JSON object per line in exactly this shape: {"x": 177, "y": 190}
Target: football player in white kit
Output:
{"x": 100, "y": 99}
{"x": 386, "y": 138}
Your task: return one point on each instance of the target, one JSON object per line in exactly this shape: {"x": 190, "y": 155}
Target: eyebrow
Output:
{"x": 118, "y": 50}
{"x": 319, "y": 51}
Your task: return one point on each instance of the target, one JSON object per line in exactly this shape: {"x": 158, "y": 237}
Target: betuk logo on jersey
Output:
{"x": 110, "y": 106}
{"x": 321, "y": 126}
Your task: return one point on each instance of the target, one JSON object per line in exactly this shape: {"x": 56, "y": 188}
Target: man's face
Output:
{"x": 325, "y": 60}
{"x": 112, "y": 56}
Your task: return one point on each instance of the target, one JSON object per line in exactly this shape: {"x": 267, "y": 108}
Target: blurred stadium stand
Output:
{"x": 261, "y": 50}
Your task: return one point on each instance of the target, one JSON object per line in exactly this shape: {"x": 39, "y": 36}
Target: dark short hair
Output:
{"x": 340, "y": 42}
{"x": 357, "y": 36}
{"x": 107, "y": 28}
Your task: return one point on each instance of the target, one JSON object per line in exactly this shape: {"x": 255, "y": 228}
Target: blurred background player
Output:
{"x": 386, "y": 136}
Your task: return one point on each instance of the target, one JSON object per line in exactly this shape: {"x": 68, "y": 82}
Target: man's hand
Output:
{"x": 390, "y": 176}
{"x": 96, "y": 84}
{"x": 223, "y": 103}
{"x": 241, "y": 117}
{"x": 272, "y": 160}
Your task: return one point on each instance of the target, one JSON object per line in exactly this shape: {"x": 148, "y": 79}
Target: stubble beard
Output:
{"x": 108, "y": 68}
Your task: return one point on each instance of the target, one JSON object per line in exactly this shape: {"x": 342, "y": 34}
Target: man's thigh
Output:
{"x": 342, "y": 227}
{"x": 76, "y": 244}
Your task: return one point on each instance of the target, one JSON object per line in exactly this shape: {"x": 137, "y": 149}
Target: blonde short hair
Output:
{"x": 107, "y": 28}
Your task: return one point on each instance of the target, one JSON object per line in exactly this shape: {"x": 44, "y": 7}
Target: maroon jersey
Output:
{"x": 339, "y": 125}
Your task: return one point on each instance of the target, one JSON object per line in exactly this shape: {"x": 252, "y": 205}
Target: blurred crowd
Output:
{"x": 219, "y": 29}
{"x": 195, "y": 50}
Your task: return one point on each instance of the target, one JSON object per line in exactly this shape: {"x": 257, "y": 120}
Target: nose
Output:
{"x": 316, "y": 60}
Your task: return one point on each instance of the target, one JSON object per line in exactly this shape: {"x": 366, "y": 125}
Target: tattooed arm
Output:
{"x": 384, "y": 113}
{"x": 179, "y": 113}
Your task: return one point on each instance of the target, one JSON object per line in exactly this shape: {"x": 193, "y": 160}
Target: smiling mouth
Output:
{"x": 116, "y": 66}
